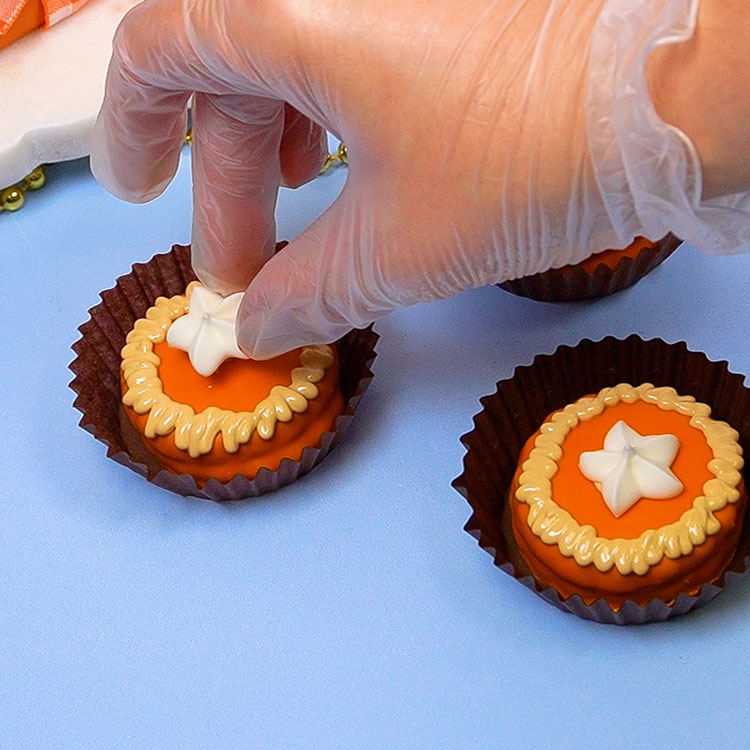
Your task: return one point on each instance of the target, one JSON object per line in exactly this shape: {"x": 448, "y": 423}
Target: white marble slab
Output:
{"x": 51, "y": 87}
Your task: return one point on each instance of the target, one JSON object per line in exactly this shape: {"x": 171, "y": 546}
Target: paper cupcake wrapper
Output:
{"x": 521, "y": 403}
{"x": 576, "y": 284}
{"x": 97, "y": 382}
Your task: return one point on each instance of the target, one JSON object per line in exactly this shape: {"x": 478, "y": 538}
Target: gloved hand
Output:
{"x": 487, "y": 141}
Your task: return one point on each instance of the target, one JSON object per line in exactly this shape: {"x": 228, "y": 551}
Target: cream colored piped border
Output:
{"x": 554, "y": 525}
{"x": 196, "y": 433}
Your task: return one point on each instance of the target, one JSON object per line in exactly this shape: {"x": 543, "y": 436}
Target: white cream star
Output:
{"x": 206, "y": 332}
{"x": 632, "y": 466}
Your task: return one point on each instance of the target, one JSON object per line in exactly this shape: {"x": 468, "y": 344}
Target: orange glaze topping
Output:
{"x": 239, "y": 384}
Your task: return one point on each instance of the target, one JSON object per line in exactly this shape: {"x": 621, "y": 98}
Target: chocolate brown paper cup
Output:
{"x": 521, "y": 404}
{"x": 99, "y": 399}
{"x": 576, "y": 284}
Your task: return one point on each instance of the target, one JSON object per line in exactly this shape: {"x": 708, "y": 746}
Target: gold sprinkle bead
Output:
{"x": 34, "y": 180}
{"x": 11, "y": 199}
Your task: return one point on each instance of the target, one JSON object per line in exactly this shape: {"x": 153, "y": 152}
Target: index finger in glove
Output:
{"x": 245, "y": 144}
{"x": 243, "y": 147}
{"x": 159, "y": 59}
{"x": 236, "y": 175}
{"x": 140, "y": 128}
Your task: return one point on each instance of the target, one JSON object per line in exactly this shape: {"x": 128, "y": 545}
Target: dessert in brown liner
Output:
{"x": 98, "y": 388}
{"x": 589, "y": 279}
{"x": 520, "y": 405}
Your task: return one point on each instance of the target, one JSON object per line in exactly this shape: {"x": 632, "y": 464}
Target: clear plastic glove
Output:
{"x": 487, "y": 141}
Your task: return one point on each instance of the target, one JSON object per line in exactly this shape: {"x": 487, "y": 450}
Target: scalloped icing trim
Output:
{"x": 196, "y": 433}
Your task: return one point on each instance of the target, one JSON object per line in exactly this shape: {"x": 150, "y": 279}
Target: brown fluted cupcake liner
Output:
{"x": 97, "y": 382}
{"x": 576, "y": 284}
{"x": 521, "y": 404}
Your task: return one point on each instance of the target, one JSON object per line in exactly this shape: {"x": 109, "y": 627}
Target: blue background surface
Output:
{"x": 349, "y": 610}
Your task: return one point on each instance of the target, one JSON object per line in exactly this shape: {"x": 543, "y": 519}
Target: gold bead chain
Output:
{"x": 12, "y": 198}
{"x": 340, "y": 158}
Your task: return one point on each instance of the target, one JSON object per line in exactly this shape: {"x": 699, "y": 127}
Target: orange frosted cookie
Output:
{"x": 598, "y": 275}
{"x": 611, "y": 258}
{"x": 634, "y": 493}
{"x": 206, "y": 410}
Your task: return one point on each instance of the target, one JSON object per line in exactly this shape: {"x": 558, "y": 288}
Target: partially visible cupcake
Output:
{"x": 182, "y": 405}
{"x": 599, "y": 275}
{"x": 608, "y": 478}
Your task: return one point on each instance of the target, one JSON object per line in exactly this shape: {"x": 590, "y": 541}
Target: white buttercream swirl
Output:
{"x": 632, "y": 466}
{"x": 206, "y": 331}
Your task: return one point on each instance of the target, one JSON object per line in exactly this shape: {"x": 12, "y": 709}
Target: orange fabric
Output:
{"x": 19, "y": 17}
{"x": 56, "y": 10}
{"x": 580, "y": 497}
{"x": 239, "y": 385}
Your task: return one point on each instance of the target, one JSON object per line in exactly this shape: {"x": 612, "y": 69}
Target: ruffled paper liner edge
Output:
{"x": 577, "y": 284}
{"x": 97, "y": 382}
{"x": 519, "y": 405}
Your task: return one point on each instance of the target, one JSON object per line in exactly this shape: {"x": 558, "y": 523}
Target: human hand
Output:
{"x": 487, "y": 141}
